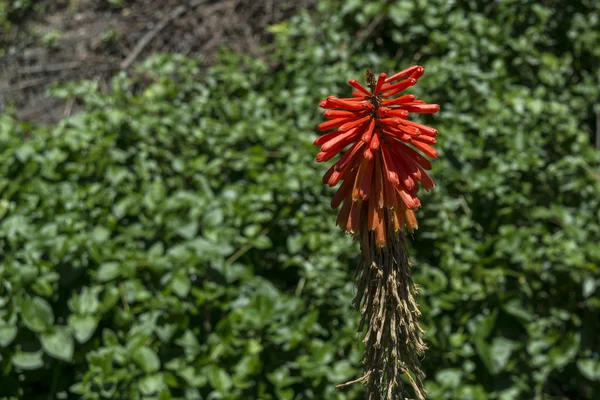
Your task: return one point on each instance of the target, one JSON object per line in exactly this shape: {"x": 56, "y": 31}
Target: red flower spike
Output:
{"x": 382, "y": 169}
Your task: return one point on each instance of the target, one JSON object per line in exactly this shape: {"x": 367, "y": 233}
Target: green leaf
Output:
{"x": 590, "y": 368}
{"x": 83, "y": 327}
{"x": 501, "y": 351}
{"x": 213, "y": 218}
{"x": 188, "y": 231}
{"x": 7, "y": 334}
{"x": 37, "y": 314}
{"x": 147, "y": 359}
{"x": 219, "y": 379}
{"x": 181, "y": 285}
{"x": 58, "y": 343}
{"x": 108, "y": 271}
{"x": 27, "y": 361}
{"x": 450, "y": 377}
{"x": 565, "y": 350}
{"x": 496, "y": 356}
{"x": 151, "y": 384}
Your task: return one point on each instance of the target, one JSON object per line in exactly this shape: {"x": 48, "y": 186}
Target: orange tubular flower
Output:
{"x": 381, "y": 169}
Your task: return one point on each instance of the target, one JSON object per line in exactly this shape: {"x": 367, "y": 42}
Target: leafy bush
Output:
{"x": 174, "y": 239}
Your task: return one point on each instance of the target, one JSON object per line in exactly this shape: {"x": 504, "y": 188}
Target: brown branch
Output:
{"x": 148, "y": 37}
{"x": 243, "y": 250}
{"x": 362, "y": 379}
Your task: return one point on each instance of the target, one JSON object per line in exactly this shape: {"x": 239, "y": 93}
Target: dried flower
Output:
{"x": 381, "y": 170}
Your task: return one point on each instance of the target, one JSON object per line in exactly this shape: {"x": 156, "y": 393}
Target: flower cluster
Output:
{"x": 381, "y": 170}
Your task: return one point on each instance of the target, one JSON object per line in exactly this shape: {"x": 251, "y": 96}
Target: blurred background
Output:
{"x": 164, "y": 232}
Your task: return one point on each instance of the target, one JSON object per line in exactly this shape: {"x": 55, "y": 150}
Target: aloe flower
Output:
{"x": 385, "y": 162}
{"x": 383, "y": 166}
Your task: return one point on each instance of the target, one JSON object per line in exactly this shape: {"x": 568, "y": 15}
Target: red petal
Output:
{"x": 417, "y": 158}
{"x": 425, "y": 148}
{"x": 342, "y": 218}
{"x": 426, "y": 180}
{"x": 333, "y": 123}
{"x": 375, "y": 142}
{"x": 325, "y": 156}
{"x": 403, "y": 74}
{"x": 407, "y": 98}
{"x": 421, "y": 108}
{"x": 398, "y": 87}
{"x": 397, "y": 113}
{"x": 397, "y": 134}
{"x": 347, "y": 103}
{"x": 401, "y": 151}
{"x": 358, "y": 181}
{"x": 352, "y": 124}
{"x": 342, "y": 193}
{"x": 418, "y": 72}
{"x": 398, "y": 218}
{"x": 349, "y": 156}
{"x": 365, "y": 186}
{"x": 366, "y": 137}
{"x": 426, "y": 130}
{"x": 411, "y": 220}
{"x": 328, "y": 174}
{"x": 380, "y": 231}
{"x": 341, "y": 114}
{"x": 354, "y": 83}
{"x": 391, "y": 171}
{"x": 409, "y": 198}
{"x": 380, "y": 82}
{"x": 408, "y": 170}
{"x": 393, "y": 121}
{"x": 353, "y": 224}
{"x": 425, "y": 139}
{"x": 380, "y": 196}
{"x": 342, "y": 140}
{"x": 373, "y": 216}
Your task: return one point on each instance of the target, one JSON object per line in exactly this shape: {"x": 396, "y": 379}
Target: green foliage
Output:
{"x": 174, "y": 240}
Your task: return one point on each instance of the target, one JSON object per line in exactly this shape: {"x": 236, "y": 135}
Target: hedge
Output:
{"x": 174, "y": 240}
